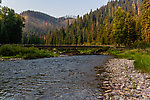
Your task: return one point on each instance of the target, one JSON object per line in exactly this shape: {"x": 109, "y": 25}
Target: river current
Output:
{"x": 60, "y": 78}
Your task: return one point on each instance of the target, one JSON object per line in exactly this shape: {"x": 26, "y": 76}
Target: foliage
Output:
{"x": 146, "y": 21}
{"x": 130, "y": 29}
{"x": 32, "y": 38}
{"x": 141, "y": 44}
{"x": 124, "y": 28}
{"x": 119, "y": 26}
{"x": 88, "y": 51}
{"x": 119, "y": 22}
{"x": 113, "y": 52}
{"x": 11, "y": 25}
{"x": 7, "y": 50}
{"x": 23, "y": 52}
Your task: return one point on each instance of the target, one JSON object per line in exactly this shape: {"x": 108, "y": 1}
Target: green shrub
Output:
{"x": 7, "y": 50}
{"x": 141, "y": 44}
{"x": 87, "y": 51}
{"x": 23, "y": 52}
{"x": 113, "y": 52}
{"x": 105, "y": 48}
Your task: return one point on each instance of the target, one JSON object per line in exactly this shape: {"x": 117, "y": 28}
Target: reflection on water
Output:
{"x": 51, "y": 78}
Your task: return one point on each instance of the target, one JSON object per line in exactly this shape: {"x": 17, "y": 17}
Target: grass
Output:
{"x": 12, "y": 51}
{"x": 82, "y": 51}
{"x": 87, "y": 51}
{"x": 143, "y": 62}
{"x": 93, "y": 51}
{"x": 141, "y": 57}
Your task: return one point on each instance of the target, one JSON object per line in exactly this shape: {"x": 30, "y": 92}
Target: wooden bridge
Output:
{"x": 68, "y": 46}
{"x": 71, "y": 46}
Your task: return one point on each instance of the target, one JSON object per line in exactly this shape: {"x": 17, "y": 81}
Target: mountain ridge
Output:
{"x": 40, "y": 23}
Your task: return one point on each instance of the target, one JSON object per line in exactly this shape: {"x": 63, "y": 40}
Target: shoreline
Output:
{"x": 61, "y": 55}
{"x": 10, "y": 59}
{"x": 124, "y": 82}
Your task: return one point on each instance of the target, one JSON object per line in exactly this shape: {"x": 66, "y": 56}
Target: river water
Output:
{"x": 61, "y": 78}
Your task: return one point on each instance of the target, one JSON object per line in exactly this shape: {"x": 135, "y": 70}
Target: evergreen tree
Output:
{"x": 139, "y": 28}
{"x": 107, "y": 25}
{"x": 119, "y": 26}
{"x": 130, "y": 26}
{"x": 146, "y": 21}
{"x": 11, "y": 26}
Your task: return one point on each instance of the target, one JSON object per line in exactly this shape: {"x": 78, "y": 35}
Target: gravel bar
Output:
{"x": 124, "y": 82}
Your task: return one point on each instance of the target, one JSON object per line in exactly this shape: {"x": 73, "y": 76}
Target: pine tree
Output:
{"x": 130, "y": 26}
{"x": 11, "y": 26}
{"x": 119, "y": 26}
{"x": 146, "y": 21}
{"x": 104, "y": 26}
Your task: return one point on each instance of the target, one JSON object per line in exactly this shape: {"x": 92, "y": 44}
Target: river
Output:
{"x": 60, "y": 78}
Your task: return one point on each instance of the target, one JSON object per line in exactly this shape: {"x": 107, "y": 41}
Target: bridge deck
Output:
{"x": 67, "y": 46}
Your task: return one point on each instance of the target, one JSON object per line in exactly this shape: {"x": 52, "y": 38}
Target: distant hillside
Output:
{"x": 40, "y": 23}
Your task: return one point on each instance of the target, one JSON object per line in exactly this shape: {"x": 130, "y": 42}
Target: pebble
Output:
{"x": 125, "y": 81}
{"x": 99, "y": 97}
{"x": 116, "y": 97}
{"x": 107, "y": 91}
{"x": 138, "y": 87}
{"x": 1, "y": 59}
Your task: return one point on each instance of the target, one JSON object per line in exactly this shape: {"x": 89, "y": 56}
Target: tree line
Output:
{"x": 123, "y": 22}
{"x": 111, "y": 24}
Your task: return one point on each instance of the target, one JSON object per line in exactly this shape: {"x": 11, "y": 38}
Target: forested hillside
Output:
{"x": 38, "y": 24}
{"x": 41, "y": 23}
{"x": 101, "y": 26}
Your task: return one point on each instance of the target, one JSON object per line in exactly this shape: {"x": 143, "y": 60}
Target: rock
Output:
{"x": 148, "y": 95}
{"x": 100, "y": 97}
{"x": 107, "y": 88}
{"x": 1, "y": 59}
{"x": 126, "y": 89}
{"x": 125, "y": 81}
{"x": 116, "y": 97}
{"x": 105, "y": 82}
{"x": 108, "y": 91}
{"x": 121, "y": 98}
{"x": 121, "y": 93}
{"x": 63, "y": 55}
{"x": 144, "y": 96}
{"x": 138, "y": 87}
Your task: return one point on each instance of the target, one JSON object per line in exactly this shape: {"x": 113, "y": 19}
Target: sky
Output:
{"x": 56, "y": 8}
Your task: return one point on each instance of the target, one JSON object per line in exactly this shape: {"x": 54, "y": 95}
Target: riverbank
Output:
{"x": 124, "y": 82}
{"x": 16, "y": 52}
{"x": 11, "y": 59}
{"x": 141, "y": 57}
{"x": 13, "y": 52}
